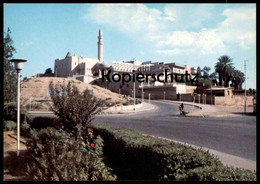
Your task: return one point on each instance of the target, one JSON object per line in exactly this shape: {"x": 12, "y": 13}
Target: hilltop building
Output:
{"x": 79, "y": 67}
{"x": 88, "y": 70}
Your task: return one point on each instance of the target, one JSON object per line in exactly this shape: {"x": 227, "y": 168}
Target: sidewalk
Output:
{"x": 129, "y": 109}
{"x": 206, "y": 110}
{"x": 118, "y": 109}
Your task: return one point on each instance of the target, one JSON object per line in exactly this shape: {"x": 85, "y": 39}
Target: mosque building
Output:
{"x": 89, "y": 70}
{"x": 79, "y": 67}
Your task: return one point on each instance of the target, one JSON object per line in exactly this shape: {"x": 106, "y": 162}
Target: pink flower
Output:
{"x": 92, "y": 144}
{"x": 89, "y": 129}
{"x": 91, "y": 135}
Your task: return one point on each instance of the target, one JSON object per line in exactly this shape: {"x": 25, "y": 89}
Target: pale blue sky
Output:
{"x": 187, "y": 34}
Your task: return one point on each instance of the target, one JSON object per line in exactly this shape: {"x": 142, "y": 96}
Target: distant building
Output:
{"x": 79, "y": 67}
{"x": 157, "y": 89}
{"x": 89, "y": 70}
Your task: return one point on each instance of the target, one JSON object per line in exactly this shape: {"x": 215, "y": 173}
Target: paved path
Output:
{"x": 145, "y": 106}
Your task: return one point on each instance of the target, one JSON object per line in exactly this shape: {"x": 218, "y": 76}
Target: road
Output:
{"x": 232, "y": 135}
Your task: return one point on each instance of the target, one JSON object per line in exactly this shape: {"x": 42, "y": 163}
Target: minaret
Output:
{"x": 100, "y": 46}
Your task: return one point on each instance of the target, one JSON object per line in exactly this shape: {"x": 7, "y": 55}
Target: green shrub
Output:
{"x": 56, "y": 155}
{"x": 136, "y": 157}
{"x": 220, "y": 173}
{"x": 74, "y": 109}
{"x": 39, "y": 122}
{"x": 9, "y": 125}
{"x": 10, "y": 112}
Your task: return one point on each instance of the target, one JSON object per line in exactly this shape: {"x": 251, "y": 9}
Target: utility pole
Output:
{"x": 142, "y": 92}
{"x": 211, "y": 94}
{"x": 134, "y": 88}
{"x": 245, "y": 86}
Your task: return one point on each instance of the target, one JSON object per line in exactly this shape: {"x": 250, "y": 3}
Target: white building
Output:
{"x": 79, "y": 67}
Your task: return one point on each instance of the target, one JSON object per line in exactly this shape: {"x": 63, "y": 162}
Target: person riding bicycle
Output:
{"x": 181, "y": 108}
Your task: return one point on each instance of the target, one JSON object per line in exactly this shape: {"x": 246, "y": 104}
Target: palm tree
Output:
{"x": 230, "y": 74}
{"x": 238, "y": 79}
{"x": 213, "y": 77}
{"x": 224, "y": 68}
{"x": 205, "y": 71}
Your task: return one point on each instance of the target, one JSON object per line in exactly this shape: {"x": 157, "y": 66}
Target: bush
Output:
{"x": 39, "y": 122}
{"x": 136, "y": 157}
{"x": 10, "y": 112}
{"x": 74, "y": 109}
{"x": 9, "y": 125}
{"x": 56, "y": 155}
{"x": 221, "y": 173}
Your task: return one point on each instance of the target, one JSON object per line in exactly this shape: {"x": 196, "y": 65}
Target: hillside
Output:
{"x": 36, "y": 89}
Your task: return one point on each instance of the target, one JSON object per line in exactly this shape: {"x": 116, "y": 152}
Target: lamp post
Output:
{"x": 142, "y": 92}
{"x": 134, "y": 87}
{"x": 245, "y": 87}
{"x": 18, "y": 64}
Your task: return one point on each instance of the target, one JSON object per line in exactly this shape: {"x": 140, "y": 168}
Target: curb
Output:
{"x": 194, "y": 105}
{"x": 183, "y": 103}
{"x": 128, "y": 111}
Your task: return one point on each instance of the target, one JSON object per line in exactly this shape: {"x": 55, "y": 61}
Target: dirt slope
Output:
{"x": 37, "y": 88}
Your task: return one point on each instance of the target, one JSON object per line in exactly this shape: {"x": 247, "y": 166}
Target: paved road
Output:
{"x": 232, "y": 135}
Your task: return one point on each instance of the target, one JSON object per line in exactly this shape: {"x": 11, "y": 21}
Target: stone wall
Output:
{"x": 158, "y": 93}
{"x": 190, "y": 89}
{"x": 236, "y": 100}
{"x": 186, "y": 97}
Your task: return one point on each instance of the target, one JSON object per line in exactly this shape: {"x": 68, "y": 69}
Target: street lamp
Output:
{"x": 245, "y": 87}
{"x": 18, "y": 64}
{"x": 134, "y": 86}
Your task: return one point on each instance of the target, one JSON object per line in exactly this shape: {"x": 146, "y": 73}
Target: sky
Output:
{"x": 186, "y": 34}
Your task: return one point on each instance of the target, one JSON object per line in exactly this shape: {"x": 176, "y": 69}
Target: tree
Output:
{"x": 199, "y": 76}
{"x": 205, "y": 71}
{"x": 10, "y": 83}
{"x": 213, "y": 77}
{"x": 74, "y": 109}
{"x": 224, "y": 69}
{"x": 206, "y": 79}
{"x": 48, "y": 71}
{"x": 230, "y": 73}
{"x": 238, "y": 79}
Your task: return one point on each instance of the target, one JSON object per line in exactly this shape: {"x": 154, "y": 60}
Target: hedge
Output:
{"x": 136, "y": 157}
{"x": 40, "y": 122}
